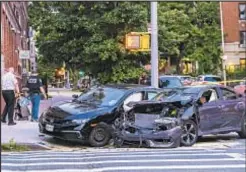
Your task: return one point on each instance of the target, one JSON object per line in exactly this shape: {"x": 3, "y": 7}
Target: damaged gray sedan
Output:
{"x": 182, "y": 117}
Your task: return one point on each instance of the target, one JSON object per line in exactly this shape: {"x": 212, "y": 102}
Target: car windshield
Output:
{"x": 188, "y": 91}
{"x": 170, "y": 83}
{"x": 102, "y": 96}
{"x": 161, "y": 96}
{"x": 212, "y": 79}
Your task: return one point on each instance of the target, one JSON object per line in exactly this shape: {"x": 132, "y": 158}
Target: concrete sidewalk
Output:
{"x": 26, "y": 131}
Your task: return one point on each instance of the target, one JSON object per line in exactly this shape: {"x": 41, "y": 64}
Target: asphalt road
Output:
{"x": 185, "y": 159}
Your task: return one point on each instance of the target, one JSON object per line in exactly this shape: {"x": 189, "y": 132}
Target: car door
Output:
{"x": 209, "y": 113}
{"x": 232, "y": 108}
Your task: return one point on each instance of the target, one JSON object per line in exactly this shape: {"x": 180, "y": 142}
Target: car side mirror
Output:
{"x": 198, "y": 102}
{"x": 75, "y": 96}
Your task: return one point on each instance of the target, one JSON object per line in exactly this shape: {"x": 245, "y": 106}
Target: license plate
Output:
{"x": 49, "y": 127}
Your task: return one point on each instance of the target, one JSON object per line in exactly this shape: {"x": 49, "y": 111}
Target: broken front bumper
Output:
{"x": 163, "y": 138}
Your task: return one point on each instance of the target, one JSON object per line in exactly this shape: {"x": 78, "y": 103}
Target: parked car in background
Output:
{"x": 89, "y": 117}
{"x": 184, "y": 116}
{"x": 209, "y": 78}
{"x": 185, "y": 79}
{"x": 167, "y": 81}
{"x": 241, "y": 88}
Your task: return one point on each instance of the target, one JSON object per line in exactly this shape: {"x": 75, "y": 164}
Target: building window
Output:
{"x": 242, "y": 11}
{"x": 243, "y": 39}
{"x": 243, "y": 63}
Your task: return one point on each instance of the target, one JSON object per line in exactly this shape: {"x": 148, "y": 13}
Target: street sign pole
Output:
{"x": 223, "y": 43}
{"x": 154, "y": 45}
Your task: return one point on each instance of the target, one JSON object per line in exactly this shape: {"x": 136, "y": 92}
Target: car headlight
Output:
{"x": 43, "y": 115}
{"x": 79, "y": 121}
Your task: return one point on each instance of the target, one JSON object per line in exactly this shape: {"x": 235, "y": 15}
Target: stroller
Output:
{"x": 21, "y": 109}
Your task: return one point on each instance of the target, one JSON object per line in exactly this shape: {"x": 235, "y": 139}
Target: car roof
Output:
{"x": 130, "y": 86}
{"x": 209, "y": 76}
{"x": 169, "y": 76}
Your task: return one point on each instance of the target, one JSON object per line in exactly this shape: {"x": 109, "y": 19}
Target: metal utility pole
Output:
{"x": 223, "y": 43}
{"x": 154, "y": 46}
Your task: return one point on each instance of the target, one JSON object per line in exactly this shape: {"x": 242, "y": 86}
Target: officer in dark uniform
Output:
{"x": 35, "y": 86}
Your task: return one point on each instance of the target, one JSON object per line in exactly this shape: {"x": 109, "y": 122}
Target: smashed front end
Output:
{"x": 152, "y": 124}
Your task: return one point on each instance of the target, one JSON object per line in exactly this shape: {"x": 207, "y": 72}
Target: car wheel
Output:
{"x": 99, "y": 136}
{"x": 189, "y": 134}
{"x": 242, "y": 133}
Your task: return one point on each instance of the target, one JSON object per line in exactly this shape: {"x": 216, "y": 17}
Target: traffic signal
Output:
{"x": 138, "y": 41}
{"x": 133, "y": 41}
{"x": 60, "y": 71}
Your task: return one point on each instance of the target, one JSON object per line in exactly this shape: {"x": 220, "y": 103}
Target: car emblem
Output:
{"x": 52, "y": 120}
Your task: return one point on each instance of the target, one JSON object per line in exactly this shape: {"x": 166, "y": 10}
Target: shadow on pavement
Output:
{"x": 215, "y": 139}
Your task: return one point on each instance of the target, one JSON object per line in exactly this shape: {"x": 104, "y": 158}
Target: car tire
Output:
{"x": 189, "y": 134}
{"x": 99, "y": 136}
{"x": 242, "y": 133}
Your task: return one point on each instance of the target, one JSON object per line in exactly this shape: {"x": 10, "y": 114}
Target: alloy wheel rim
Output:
{"x": 99, "y": 136}
{"x": 189, "y": 133}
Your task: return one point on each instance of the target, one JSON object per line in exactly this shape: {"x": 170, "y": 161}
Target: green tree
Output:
{"x": 90, "y": 35}
{"x": 191, "y": 30}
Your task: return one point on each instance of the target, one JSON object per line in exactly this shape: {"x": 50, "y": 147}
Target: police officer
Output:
{"x": 34, "y": 84}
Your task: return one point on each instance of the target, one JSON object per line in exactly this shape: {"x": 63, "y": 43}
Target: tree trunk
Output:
{"x": 181, "y": 54}
{"x": 178, "y": 69}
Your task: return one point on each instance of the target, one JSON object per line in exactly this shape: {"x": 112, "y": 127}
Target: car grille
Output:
{"x": 54, "y": 116}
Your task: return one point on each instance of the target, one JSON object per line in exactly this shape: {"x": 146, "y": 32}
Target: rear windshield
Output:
{"x": 212, "y": 79}
{"x": 185, "y": 78}
{"x": 170, "y": 82}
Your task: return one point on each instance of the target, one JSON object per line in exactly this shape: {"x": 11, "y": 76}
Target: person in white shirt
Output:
{"x": 9, "y": 88}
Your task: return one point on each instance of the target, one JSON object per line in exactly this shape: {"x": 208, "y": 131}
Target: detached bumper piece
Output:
{"x": 151, "y": 138}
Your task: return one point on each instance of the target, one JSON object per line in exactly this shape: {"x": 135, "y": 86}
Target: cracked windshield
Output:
{"x": 123, "y": 86}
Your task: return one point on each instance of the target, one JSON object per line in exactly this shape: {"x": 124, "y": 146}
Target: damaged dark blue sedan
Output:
{"x": 182, "y": 117}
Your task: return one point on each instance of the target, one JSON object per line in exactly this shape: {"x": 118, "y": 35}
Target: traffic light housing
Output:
{"x": 137, "y": 41}
{"x": 60, "y": 71}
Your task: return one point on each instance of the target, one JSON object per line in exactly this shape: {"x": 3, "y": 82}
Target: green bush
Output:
{"x": 13, "y": 147}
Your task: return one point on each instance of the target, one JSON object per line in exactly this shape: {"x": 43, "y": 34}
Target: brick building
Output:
{"x": 14, "y": 38}
{"x": 234, "y": 24}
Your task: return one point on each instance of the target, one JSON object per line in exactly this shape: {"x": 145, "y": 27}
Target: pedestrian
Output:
{"x": 10, "y": 88}
{"x": 35, "y": 86}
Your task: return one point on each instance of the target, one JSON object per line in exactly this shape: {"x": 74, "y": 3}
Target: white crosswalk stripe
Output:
{"x": 120, "y": 160}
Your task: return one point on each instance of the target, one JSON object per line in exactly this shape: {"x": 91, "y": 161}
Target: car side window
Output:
{"x": 214, "y": 96}
{"x": 228, "y": 94}
{"x": 151, "y": 95}
{"x": 207, "y": 95}
{"x": 135, "y": 97}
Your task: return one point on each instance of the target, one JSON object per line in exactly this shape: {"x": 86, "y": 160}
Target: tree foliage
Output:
{"x": 90, "y": 35}
{"x": 191, "y": 30}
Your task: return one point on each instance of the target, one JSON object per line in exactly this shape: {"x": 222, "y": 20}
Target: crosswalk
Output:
{"x": 121, "y": 160}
